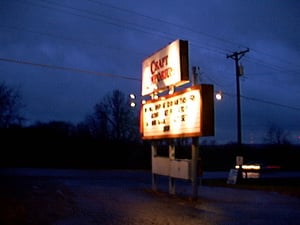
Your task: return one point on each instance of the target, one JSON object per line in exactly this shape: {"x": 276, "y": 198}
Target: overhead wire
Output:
{"x": 120, "y": 23}
{"x": 166, "y": 22}
{"x": 76, "y": 70}
{"x": 68, "y": 38}
{"x": 263, "y": 101}
{"x": 197, "y": 32}
{"x": 138, "y": 27}
{"x": 276, "y": 67}
{"x": 98, "y": 17}
{"x": 142, "y": 30}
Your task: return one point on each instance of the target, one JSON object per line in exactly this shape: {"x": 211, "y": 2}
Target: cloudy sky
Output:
{"x": 64, "y": 55}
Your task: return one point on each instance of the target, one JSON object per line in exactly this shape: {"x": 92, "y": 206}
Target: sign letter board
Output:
{"x": 186, "y": 113}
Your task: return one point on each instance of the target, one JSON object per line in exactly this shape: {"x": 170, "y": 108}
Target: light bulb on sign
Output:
{"x": 219, "y": 96}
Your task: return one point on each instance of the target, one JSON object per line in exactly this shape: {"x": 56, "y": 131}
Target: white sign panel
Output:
{"x": 167, "y": 67}
{"x": 173, "y": 116}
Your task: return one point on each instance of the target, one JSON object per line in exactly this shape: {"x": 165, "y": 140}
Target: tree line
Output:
{"x": 112, "y": 118}
{"x": 107, "y": 138}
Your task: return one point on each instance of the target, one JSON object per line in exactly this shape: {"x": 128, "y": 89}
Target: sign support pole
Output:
{"x": 154, "y": 154}
{"x": 172, "y": 157}
{"x": 195, "y": 150}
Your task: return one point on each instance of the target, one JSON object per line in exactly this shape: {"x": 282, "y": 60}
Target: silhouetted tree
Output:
{"x": 95, "y": 125}
{"x": 114, "y": 119}
{"x": 276, "y": 135}
{"x": 10, "y": 107}
{"x": 55, "y": 128}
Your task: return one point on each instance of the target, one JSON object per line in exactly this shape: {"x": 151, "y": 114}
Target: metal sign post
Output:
{"x": 195, "y": 153}
{"x": 153, "y": 154}
{"x": 172, "y": 157}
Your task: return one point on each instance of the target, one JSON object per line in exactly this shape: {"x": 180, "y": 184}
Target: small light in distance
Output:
{"x": 132, "y": 98}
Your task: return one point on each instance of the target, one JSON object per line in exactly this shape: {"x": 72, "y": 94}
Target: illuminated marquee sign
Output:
{"x": 167, "y": 67}
{"x": 188, "y": 113}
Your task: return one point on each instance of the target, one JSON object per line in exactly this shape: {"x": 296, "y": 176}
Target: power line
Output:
{"x": 263, "y": 101}
{"x": 184, "y": 27}
{"x": 76, "y": 70}
{"x": 272, "y": 66}
{"x": 98, "y": 17}
{"x": 86, "y": 14}
{"x": 137, "y": 27}
{"x": 67, "y": 38}
{"x": 272, "y": 103}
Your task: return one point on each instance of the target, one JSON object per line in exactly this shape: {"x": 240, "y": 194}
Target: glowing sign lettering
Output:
{"x": 167, "y": 67}
{"x": 174, "y": 115}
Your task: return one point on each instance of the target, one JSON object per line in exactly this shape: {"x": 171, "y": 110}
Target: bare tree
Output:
{"x": 10, "y": 107}
{"x": 97, "y": 123}
{"x": 114, "y": 119}
{"x": 276, "y": 135}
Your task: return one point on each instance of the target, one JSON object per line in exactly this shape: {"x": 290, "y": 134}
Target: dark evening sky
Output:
{"x": 76, "y": 51}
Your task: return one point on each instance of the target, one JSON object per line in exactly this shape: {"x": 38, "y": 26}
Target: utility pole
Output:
{"x": 196, "y": 74}
{"x": 236, "y": 56}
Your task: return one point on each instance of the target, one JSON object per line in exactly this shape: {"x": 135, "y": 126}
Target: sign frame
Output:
{"x": 167, "y": 67}
{"x": 204, "y": 125}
